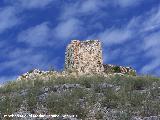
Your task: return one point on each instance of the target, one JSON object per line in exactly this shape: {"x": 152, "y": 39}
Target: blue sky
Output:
{"x": 34, "y": 33}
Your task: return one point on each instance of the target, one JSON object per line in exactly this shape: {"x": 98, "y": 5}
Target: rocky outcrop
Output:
{"x": 44, "y": 75}
{"x": 108, "y": 68}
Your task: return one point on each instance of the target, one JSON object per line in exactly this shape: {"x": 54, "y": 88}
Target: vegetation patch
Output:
{"x": 134, "y": 95}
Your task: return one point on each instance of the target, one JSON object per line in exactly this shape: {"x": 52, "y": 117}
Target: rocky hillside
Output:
{"x": 98, "y": 97}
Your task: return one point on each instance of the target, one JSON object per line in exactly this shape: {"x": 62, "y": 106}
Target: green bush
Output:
{"x": 67, "y": 103}
{"x": 111, "y": 99}
{"x": 133, "y": 73}
{"x": 139, "y": 84}
{"x": 116, "y": 69}
{"x": 32, "y": 99}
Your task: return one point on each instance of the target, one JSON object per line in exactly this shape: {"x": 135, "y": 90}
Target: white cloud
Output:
{"x": 81, "y": 8}
{"x": 152, "y": 48}
{"x": 149, "y": 32}
{"x": 8, "y": 18}
{"x": 10, "y": 15}
{"x": 86, "y": 7}
{"x": 152, "y": 41}
{"x": 127, "y": 3}
{"x": 119, "y": 35}
{"x": 151, "y": 66}
{"x": 21, "y": 60}
{"x": 151, "y": 21}
{"x": 115, "y": 36}
{"x": 29, "y": 4}
{"x": 43, "y": 35}
{"x": 146, "y": 30}
{"x": 137, "y": 29}
{"x": 67, "y": 29}
{"x": 34, "y": 3}
{"x": 91, "y": 6}
{"x": 38, "y": 35}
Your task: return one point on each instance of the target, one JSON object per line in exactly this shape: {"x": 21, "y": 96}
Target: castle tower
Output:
{"x": 84, "y": 56}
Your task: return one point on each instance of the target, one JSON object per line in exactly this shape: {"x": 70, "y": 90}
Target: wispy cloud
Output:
{"x": 38, "y": 35}
{"x": 8, "y": 18}
{"x": 151, "y": 46}
{"x": 87, "y": 7}
{"x": 71, "y": 23}
{"x": 15, "y": 61}
{"x": 115, "y": 36}
{"x": 81, "y": 8}
{"x": 151, "y": 67}
{"x": 11, "y": 14}
{"x": 43, "y": 35}
{"x": 152, "y": 20}
{"x": 68, "y": 29}
{"x": 127, "y": 3}
{"x": 142, "y": 32}
{"x": 152, "y": 41}
{"x": 21, "y": 60}
{"x": 150, "y": 29}
{"x": 30, "y": 4}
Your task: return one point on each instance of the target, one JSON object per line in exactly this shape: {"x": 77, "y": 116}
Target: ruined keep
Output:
{"x": 84, "y": 57}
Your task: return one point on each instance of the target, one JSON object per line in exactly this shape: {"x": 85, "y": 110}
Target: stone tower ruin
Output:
{"x": 84, "y": 57}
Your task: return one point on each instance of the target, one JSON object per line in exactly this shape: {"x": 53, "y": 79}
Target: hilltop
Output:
{"x": 92, "y": 97}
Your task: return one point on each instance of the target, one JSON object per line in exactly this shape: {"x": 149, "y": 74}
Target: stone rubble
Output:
{"x": 44, "y": 75}
{"x": 108, "y": 68}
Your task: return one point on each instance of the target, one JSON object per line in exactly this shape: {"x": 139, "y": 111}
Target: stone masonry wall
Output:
{"x": 84, "y": 56}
